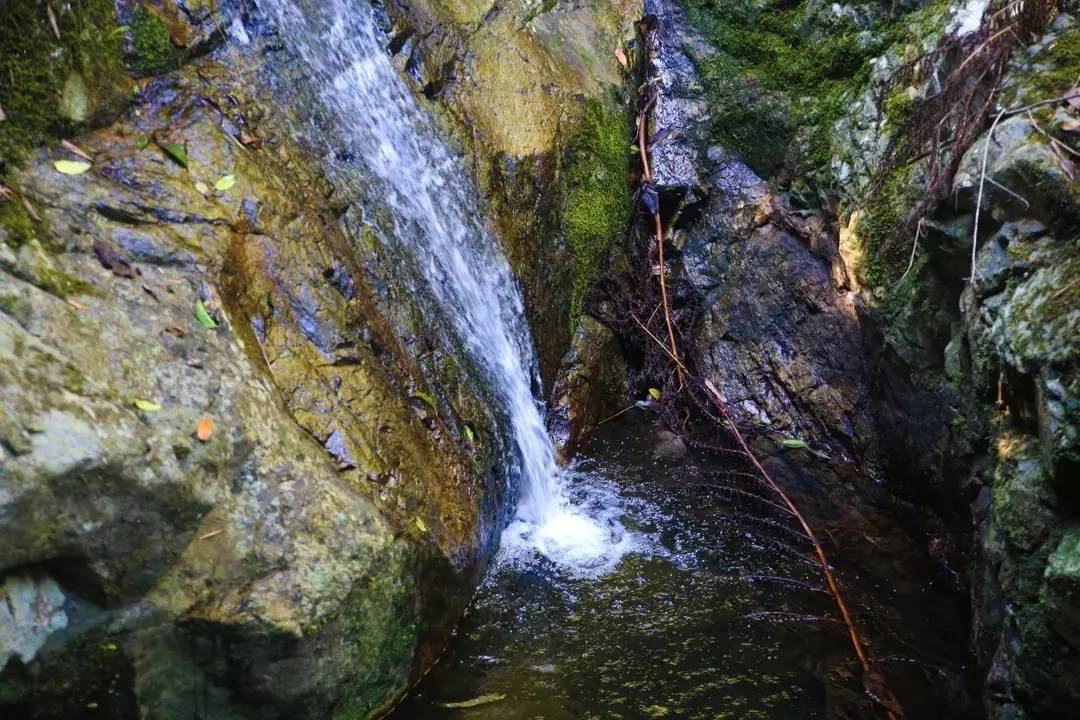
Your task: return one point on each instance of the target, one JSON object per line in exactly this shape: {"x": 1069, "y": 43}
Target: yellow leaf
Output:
{"x": 71, "y": 167}
{"x": 420, "y": 524}
{"x": 147, "y": 405}
{"x": 225, "y": 182}
{"x": 656, "y": 394}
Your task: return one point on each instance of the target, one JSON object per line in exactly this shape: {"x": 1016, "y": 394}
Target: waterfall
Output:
{"x": 370, "y": 111}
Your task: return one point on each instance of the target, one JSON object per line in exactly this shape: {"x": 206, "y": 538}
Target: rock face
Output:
{"x": 306, "y": 556}
{"x": 535, "y": 93}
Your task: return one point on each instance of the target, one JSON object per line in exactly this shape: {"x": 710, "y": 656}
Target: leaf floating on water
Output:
{"x": 177, "y": 152}
{"x": 147, "y": 405}
{"x": 225, "y": 182}
{"x": 203, "y": 315}
{"x": 793, "y": 444}
{"x": 476, "y": 701}
{"x": 655, "y": 394}
{"x": 76, "y": 150}
{"x": 420, "y": 524}
{"x": 204, "y": 429}
{"x": 621, "y": 56}
{"x": 71, "y": 167}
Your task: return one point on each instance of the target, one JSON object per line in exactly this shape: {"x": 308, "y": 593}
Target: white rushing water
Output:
{"x": 374, "y": 116}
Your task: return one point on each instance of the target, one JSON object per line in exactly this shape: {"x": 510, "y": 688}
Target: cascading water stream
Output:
{"x": 371, "y": 112}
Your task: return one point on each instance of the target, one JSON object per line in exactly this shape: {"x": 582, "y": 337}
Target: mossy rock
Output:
{"x": 52, "y": 85}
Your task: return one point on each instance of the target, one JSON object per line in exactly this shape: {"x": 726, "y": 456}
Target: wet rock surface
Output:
{"x": 277, "y": 566}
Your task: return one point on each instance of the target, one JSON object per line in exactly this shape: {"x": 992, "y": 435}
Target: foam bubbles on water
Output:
{"x": 579, "y": 531}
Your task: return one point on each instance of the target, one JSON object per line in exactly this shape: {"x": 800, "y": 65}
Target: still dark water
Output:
{"x": 718, "y": 611}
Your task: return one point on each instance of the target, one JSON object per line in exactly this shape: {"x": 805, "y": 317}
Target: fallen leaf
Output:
{"x": 30, "y": 210}
{"x": 201, "y": 187}
{"x": 142, "y": 142}
{"x": 176, "y": 151}
{"x": 204, "y": 316}
{"x": 204, "y": 429}
{"x": 176, "y": 332}
{"x": 52, "y": 20}
{"x": 71, "y": 167}
{"x": 420, "y": 524}
{"x": 655, "y": 394}
{"x": 793, "y": 444}
{"x": 621, "y": 56}
{"x": 76, "y": 304}
{"x": 147, "y": 405}
{"x": 1072, "y": 98}
{"x": 250, "y": 140}
{"x": 113, "y": 260}
{"x": 469, "y": 434}
{"x": 476, "y": 701}
{"x": 419, "y": 395}
{"x": 76, "y": 150}
{"x": 225, "y": 182}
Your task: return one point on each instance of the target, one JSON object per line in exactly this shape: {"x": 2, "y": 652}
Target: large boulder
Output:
{"x": 229, "y": 485}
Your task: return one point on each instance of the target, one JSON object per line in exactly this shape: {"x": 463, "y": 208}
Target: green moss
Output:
{"x": 15, "y": 224}
{"x": 153, "y": 50}
{"x": 36, "y": 67}
{"x": 884, "y": 256}
{"x": 775, "y": 92}
{"x": 597, "y": 199}
{"x": 1056, "y": 68}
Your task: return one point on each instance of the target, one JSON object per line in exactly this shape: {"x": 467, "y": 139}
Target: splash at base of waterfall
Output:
{"x": 579, "y": 529}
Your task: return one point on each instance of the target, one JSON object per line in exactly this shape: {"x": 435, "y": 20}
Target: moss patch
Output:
{"x": 775, "y": 90}
{"x": 153, "y": 51}
{"x": 597, "y": 197}
{"x": 36, "y": 67}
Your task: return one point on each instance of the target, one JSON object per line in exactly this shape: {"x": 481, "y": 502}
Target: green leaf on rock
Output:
{"x": 147, "y": 405}
{"x": 420, "y": 524}
{"x": 793, "y": 444}
{"x": 419, "y": 395}
{"x": 71, "y": 167}
{"x": 476, "y": 701}
{"x": 655, "y": 394}
{"x": 177, "y": 152}
{"x": 204, "y": 316}
{"x": 225, "y": 182}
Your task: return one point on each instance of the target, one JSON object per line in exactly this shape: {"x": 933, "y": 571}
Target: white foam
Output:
{"x": 580, "y": 532}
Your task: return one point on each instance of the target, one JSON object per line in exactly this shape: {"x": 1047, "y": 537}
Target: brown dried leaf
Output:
{"x": 621, "y": 57}
{"x": 30, "y": 210}
{"x": 76, "y": 304}
{"x": 176, "y": 331}
{"x": 52, "y": 20}
{"x": 250, "y": 140}
{"x": 111, "y": 259}
{"x": 75, "y": 150}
